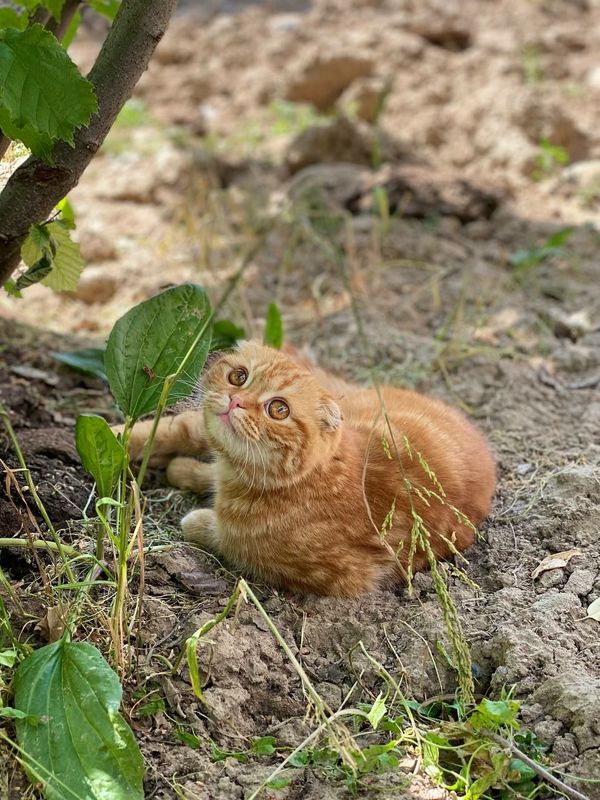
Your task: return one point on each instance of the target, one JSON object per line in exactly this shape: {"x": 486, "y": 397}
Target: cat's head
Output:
{"x": 268, "y": 415}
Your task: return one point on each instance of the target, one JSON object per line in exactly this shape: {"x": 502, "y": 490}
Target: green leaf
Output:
{"x": 10, "y": 287}
{"x": 149, "y": 343}
{"x": 40, "y": 145}
{"x": 495, "y": 714}
{"x": 279, "y": 783}
{"x": 151, "y": 707}
{"x": 101, "y": 453}
{"x": 8, "y": 658}
{"x": 89, "y": 360}
{"x": 54, "y": 242}
{"x": 301, "y": 759}
{"x": 41, "y": 89}
{"x": 190, "y": 739}
{"x": 265, "y": 746}
{"x": 11, "y": 18}
{"x": 37, "y": 271}
{"x": 519, "y": 772}
{"x": 82, "y": 749}
{"x": 68, "y": 263}
{"x": 225, "y": 335}
{"x": 377, "y": 712}
{"x": 67, "y": 215}
{"x": 274, "y": 328}
{"x": 13, "y": 713}
{"x": 55, "y": 7}
{"x": 108, "y": 8}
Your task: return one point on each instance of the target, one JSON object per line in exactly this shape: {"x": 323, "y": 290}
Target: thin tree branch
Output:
{"x": 70, "y": 8}
{"x": 547, "y": 776}
{"x": 35, "y": 187}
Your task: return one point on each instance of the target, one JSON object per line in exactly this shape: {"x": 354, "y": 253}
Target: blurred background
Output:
{"x": 421, "y": 157}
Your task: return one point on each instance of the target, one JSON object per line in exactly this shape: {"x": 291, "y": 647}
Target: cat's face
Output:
{"x": 268, "y": 414}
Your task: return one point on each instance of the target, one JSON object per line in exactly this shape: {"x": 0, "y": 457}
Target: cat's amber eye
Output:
{"x": 238, "y": 377}
{"x": 277, "y": 409}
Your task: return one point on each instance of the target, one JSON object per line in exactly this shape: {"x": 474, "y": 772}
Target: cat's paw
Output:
{"x": 188, "y": 473}
{"x": 200, "y": 527}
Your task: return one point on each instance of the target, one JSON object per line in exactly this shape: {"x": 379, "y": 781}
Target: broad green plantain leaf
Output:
{"x": 150, "y": 341}
{"x": 54, "y": 242}
{"x": 41, "y": 89}
{"x": 81, "y": 748}
{"x": 101, "y": 453}
{"x": 89, "y": 360}
{"x": 274, "y": 327}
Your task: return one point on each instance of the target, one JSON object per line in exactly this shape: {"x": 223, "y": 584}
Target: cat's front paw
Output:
{"x": 200, "y": 527}
{"x": 189, "y": 473}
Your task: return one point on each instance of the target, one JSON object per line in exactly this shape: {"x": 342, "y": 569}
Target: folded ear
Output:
{"x": 330, "y": 414}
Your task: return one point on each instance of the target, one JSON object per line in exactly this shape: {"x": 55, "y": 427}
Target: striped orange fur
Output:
{"x": 322, "y": 497}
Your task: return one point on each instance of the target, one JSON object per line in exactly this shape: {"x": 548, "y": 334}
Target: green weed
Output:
{"x": 524, "y": 260}
{"x": 549, "y": 160}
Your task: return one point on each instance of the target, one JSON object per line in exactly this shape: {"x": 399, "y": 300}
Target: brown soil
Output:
{"x": 183, "y": 194}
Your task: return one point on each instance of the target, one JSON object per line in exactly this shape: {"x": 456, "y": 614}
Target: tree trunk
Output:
{"x": 36, "y": 187}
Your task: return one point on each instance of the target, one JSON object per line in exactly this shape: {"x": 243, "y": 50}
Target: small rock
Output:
{"x": 557, "y": 603}
{"x": 571, "y": 326}
{"x": 339, "y": 140}
{"x": 530, "y": 712}
{"x": 330, "y": 693}
{"x": 524, "y": 468}
{"x": 551, "y": 579}
{"x": 95, "y": 286}
{"x": 564, "y": 748}
{"x": 35, "y": 374}
{"x": 581, "y": 582}
{"x": 322, "y": 80}
{"x": 548, "y": 730}
{"x": 576, "y": 480}
{"x": 573, "y": 697}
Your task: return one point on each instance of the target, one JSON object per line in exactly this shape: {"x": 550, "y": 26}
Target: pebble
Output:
{"x": 581, "y": 582}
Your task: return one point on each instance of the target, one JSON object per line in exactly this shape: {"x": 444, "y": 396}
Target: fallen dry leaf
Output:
{"x": 53, "y": 623}
{"x": 554, "y": 561}
{"x": 593, "y": 611}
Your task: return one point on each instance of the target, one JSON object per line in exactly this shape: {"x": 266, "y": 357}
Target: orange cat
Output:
{"x": 315, "y": 490}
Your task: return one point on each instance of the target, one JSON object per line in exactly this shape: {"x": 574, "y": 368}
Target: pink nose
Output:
{"x": 234, "y": 402}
